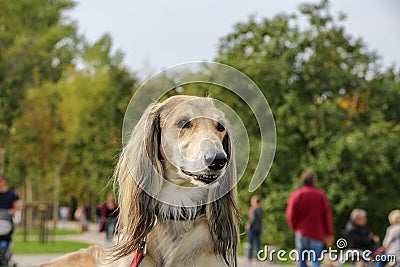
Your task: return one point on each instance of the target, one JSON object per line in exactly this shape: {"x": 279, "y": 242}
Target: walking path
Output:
{"x": 93, "y": 237}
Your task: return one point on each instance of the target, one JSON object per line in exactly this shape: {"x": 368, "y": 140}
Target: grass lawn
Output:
{"x": 20, "y": 232}
{"x": 34, "y": 247}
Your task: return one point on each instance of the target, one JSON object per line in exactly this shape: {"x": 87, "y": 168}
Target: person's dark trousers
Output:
{"x": 109, "y": 227}
{"x": 254, "y": 241}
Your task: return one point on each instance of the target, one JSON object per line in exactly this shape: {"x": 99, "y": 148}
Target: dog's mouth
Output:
{"x": 206, "y": 178}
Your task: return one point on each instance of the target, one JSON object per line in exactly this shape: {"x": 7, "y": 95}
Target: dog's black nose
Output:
{"x": 216, "y": 162}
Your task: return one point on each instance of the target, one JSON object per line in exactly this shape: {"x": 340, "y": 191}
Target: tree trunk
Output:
{"x": 56, "y": 202}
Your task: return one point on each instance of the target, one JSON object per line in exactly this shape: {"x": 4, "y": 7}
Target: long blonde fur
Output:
{"x": 200, "y": 239}
{"x": 145, "y": 175}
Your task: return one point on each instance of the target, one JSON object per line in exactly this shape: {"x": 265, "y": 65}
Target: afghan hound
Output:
{"x": 176, "y": 178}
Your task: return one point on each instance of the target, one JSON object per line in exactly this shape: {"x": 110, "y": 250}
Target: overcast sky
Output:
{"x": 155, "y": 34}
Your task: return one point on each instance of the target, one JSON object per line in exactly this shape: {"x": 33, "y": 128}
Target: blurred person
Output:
{"x": 308, "y": 213}
{"x": 9, "y": 214}
{"x": 81, "y": 216}
{"x": 64, "y": 211}
{"x": 391, "y": 242}
{"x": 360, "y": 237}
{"x": 98, "y": 212}
{"x": 109, "y": 216}
{"x": 9, "y": 200}
{"x": 254, "y": 226}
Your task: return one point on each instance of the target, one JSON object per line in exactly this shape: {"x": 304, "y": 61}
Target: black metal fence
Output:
{"x": 36, "y": 221}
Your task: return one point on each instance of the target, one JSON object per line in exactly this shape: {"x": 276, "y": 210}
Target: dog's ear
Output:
{"x": 138, "y": 176}
{"x": 222, "y": 214}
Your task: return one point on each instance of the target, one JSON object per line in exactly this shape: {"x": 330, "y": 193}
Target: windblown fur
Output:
{"x": 142, "y": 155}
{"x": 191, "y": 231}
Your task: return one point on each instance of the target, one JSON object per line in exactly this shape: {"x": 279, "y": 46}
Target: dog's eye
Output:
{"x": 183, "y": 124}
{"x": 220, "y": 127}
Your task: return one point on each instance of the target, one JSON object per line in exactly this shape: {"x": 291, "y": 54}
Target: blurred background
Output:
{"x": 328, "y": 70}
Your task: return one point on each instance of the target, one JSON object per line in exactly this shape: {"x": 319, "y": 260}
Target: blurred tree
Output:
{"x": 92, "y": 110}
{"x": 335, "y": 111}
{"x": 37, "y": 43}
{"x": 73, "y": 124}
{"x": 35, "y": 146}
{"x": 62, "y": 101}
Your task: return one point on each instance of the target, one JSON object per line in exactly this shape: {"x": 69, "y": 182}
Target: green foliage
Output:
{"x": 37, "y": 43}
{"x": 335, "y": 112}
{"x": 73, "y": 124}
{"x": 62, "y": 102}
{"x": 92, "y": 108}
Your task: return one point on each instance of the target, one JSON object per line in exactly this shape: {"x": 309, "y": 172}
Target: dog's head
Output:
{"x": 185, "y": 141}
{"x": 194, "y": 141}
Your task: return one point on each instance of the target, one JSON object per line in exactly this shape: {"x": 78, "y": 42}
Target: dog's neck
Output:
{"x": 180, "y": 203}
{"x": 184, "y": 214}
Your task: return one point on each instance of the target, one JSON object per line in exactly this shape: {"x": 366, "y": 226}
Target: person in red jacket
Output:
{"x": 309, "y": 215}
{"x": 109, "y": 216}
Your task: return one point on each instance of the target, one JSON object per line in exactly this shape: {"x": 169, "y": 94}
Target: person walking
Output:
{"x": 81, "y": 216}
{"x": 109, "y": 216}
{"x": 391, "y": 242}
{"x": 64, "y": 212}
{"x": 254, "y": 226}
{"x": 308, "y": 213}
